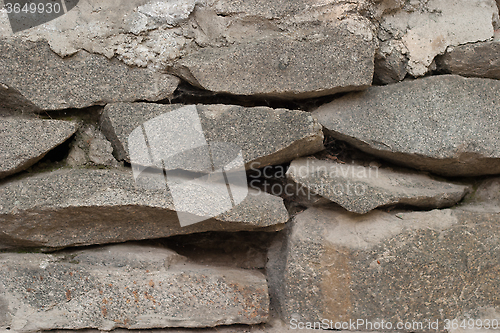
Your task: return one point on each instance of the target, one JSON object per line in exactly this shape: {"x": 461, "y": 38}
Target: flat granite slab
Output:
{"x": 360, "y": 189}
{"x": 130, "y": 287}
{"x": 23, "y": 142}
{"x": 74, "y": 207}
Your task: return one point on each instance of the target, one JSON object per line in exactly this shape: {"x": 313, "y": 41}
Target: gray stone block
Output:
{"x": 51, "y": 83}
{"x": 447, "y": 124}
{"x": 45, "y": 292}
{"x": 360, "y": 189}
{"x": 266, "y": 136}
{"x": 474, "y": 60}
{"x": 74, "y": 207}
{"x": 23, "y": 142}
{"x": 285, "y": 67}
{"x": 397, "y": 267}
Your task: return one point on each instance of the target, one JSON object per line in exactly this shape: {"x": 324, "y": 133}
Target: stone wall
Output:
{"x": 250, "y": 166}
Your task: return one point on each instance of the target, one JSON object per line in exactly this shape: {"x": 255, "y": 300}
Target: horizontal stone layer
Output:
{"x": 444, "y": 124}
{"x": 265, "y": 136}
{"x": 477, "y": 59}
{"x": 129, "y": 286}
{"x": 50, "y": 82}
{"x": 338, "y": 61}
{"x": 72, "y": 207}
{"x": 360, "y": 189}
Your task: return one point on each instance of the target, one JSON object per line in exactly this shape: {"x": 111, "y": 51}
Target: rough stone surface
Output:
{"x": 360, "y": 189}
{"x": 5, "y": 29}
{"x": 78, "y": 81}
{"x": 12, "y": 103}
{"x": 391, "y": 62}
{"x": 336, "y": 62}
{"x": 399, "y": 267}
{"x": 274, "y": 325}
{"x": 370, "y": 264}
{"x": 266, "y": 136}
{"x": 136, "y": 32}
{"x": 76, "y": 157}
{"x": 489, "y": 191}
{"x": 23, "y": 142}
{"x": 157, "y": 35}
{"x": 444, "y": 124}
{"x": 412, "y": 33}
{"x": 72, "y": 207}
{"x": 91, "y": 147}
{"x": 261, "y": 48}
{"x": 486, "y": 196}
{"x": 126, "y": 287}
{"x": 478, "y": 59}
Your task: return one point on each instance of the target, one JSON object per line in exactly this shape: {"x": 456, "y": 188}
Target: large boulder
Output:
{"x": 265, "y": 136}
{"x": 73, "y": 207}
{"x": 84, "y": 79}
{"x": 360, "y": 189}
{"x": 448, "y": 125}
{"x": 126, "y": 286}
{"x": 23, "y": 142}
{"x": 380, "y": 270}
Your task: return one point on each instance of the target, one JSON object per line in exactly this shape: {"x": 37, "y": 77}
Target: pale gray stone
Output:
{"x": 90, "y": 147}
{"x": 425, "y": 29}
{"x": 274, "y": 325}
{"x": 76, "y": 156}
{"x": 477, "y": 59}
{"x": 127, "y": 287}
{"x": 12, "y": 103}
{"x": 99, "y": 149}
{"x": 399, "y": 267}
{"x": 266, "y": 136}
{"x": 284, "y": 67}
{"x": 101, "y": 152}
{"x": 446, "y": 124}
{"x": 23, "y": 142}
{"x": 128, "y": 256}
{"x": 81, "y": 80}
{"x": 390, "y": 63}
{"x": 360, "y": 189}
{"x": 74, "y": 207}
{"x": 485, "y": 197}
{"x": 267, "y": 9}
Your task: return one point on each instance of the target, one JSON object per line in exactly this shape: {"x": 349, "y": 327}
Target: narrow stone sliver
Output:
{"x": 360, "y": 189}
{"x": 23, "y": 142}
